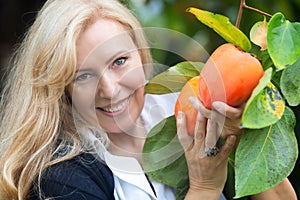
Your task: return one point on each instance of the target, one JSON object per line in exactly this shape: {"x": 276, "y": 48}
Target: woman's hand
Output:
{"x": 207, "y": 174}
{"x": 228, "y": 118}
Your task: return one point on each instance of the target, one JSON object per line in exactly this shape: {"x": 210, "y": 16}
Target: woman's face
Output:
{"x": 109, "y": 86}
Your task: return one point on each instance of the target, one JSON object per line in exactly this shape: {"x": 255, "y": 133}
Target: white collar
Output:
{"x": 130, "y": 172}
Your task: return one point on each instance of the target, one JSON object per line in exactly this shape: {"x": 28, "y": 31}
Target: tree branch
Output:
{"x": 244, "y": 6}
{"x": 257, "y": 10}
{"x": 238, "y": 21}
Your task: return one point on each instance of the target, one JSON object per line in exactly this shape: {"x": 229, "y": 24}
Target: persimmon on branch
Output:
{"x": 243, "y": 6}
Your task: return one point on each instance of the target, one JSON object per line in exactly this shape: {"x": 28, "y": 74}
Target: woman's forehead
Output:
{"x": 102, "y": 30}
{"x": 103, "y": 38}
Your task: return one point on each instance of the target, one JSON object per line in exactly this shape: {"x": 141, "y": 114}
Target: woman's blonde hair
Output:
{"x": 36, "y": 114}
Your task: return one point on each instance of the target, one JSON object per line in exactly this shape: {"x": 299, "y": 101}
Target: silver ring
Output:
{"x": 212, "y": 151}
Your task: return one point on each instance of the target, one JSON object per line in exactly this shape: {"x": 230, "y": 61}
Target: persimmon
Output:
{"x": 229, "y": 75}
{"x": 191, "y": 88}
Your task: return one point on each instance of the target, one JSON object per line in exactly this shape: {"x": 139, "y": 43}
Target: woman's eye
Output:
{"x": 119, "y": 61}
{"x": 83, "y": 77}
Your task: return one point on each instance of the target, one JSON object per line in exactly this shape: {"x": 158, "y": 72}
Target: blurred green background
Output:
{"x": 16, "y": 16}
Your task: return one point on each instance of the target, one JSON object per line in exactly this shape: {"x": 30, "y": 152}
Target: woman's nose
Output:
{"x": 108, "y": 86}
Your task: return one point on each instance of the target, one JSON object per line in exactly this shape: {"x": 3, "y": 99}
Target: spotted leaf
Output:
{"x": 265, "y": 106}
{"x": 266, "y": 156}
{"x": 290, "y": 84}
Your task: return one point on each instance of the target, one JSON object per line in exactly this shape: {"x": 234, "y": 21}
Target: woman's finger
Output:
{"x": 185, "y": 140}
{"x": 228, "y": 111}
{"x": 211, "y": 135}
{"x": 220, "y": 121}
{"x": 221, "y": 107}
{"x": 227, "y": 118}
{"x": 199, "y": 134}
{"x": 200, "y": 107}
{"x": 200, "y": 127}
{"x": 227, "y": 147}
{"x": 211, "y": 139}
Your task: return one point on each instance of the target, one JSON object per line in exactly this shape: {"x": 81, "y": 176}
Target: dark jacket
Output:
{"x": 83, "y": 177}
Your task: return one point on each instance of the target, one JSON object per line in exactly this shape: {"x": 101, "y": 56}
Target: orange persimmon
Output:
{"x": 229, "y": 75}
{"x": 183, "y": 104}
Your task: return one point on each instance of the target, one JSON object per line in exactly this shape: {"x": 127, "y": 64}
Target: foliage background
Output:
{"x": 16, "y": 16}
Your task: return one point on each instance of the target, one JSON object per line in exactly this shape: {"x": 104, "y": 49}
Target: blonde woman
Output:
{"x": 71, "y": 125}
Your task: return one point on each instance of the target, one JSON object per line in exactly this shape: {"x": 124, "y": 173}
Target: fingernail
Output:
{"x": 232, "y": 138}
{"x": 218, "y": 105}
{"x": 192, "y": 99}
{"x": 180, "y": 115}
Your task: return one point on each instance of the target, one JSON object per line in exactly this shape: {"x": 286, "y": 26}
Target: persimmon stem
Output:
{"x": 244, "y": 6}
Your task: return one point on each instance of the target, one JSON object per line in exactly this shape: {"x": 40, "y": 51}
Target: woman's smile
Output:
{"x": 115, "y": 109}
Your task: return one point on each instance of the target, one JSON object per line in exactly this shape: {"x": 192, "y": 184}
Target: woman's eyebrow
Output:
{"x": 108, "y": 61}
{"x": 81, "y": 69}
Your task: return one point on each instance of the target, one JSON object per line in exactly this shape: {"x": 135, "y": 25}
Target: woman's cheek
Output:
{"x": 84, "y": 102}
{"x": 134, "y": 78}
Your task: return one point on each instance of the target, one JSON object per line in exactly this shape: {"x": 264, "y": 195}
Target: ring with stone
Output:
{"x": 212, "y": 151}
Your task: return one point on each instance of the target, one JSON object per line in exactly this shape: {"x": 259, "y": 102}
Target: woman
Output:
{"x": 72, "y": 112}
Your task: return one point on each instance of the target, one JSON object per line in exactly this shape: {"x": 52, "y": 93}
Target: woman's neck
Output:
{"x": 129, "y": 143}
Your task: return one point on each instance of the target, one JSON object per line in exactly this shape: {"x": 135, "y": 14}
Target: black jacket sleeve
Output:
{"x": 82, "y": 177}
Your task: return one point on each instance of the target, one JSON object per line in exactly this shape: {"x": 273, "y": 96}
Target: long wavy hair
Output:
{"x": 36, "y": 114}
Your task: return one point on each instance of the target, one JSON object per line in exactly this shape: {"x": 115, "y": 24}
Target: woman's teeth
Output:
{"x": 116, "y": 108}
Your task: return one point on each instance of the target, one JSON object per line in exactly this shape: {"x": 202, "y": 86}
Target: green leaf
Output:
{"x": 283, "y": 41}
{"x": 265, "y": 106}
{"x": 267, "y": 62}
{"x": 290, "y": 84}
{"x": 276, "y": 78}
{"x": 265, "y": 59}
{"x": 265, "y": 157}
{"x": 163, "y": 157}
{"x": 173, "y": 79}
{"x": 221, "y": 25}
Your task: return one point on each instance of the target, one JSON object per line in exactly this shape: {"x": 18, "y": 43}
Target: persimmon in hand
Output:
{"x": 191, "y": 88}
{"x": 229, "y": 75}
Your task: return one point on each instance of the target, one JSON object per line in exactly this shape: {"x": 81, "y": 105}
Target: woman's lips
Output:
{"x": 115, "y": 109}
